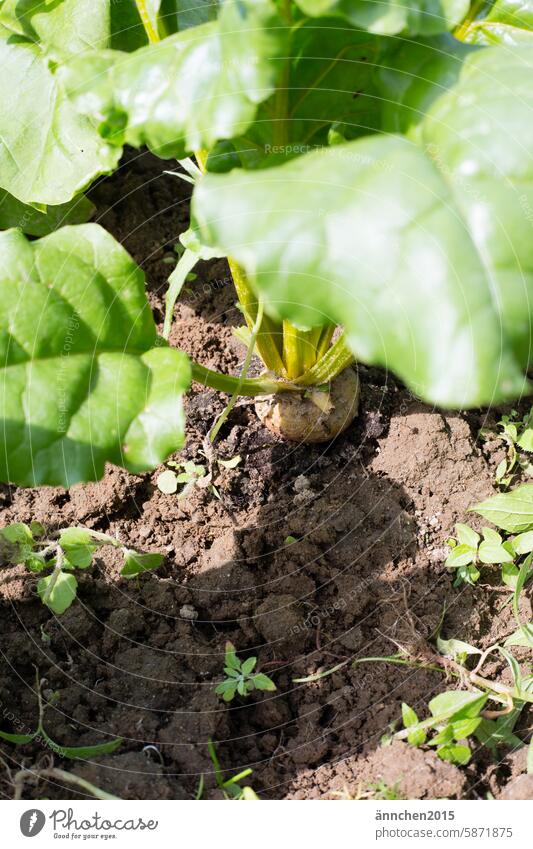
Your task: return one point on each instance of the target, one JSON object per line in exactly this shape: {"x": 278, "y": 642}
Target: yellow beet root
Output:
{"x": 300, "y": 418}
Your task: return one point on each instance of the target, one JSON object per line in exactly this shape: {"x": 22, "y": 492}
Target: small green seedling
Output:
{"x": 386, "y": 792}
{"x": 468, "y": 549}
{"x": 191, "y": 475}
{"x": 455, "y": 716}
{"x": 178, "y": 251}
{"x": 69, "y": 752}
{"x": 240, "y": 676}
{"x": 63, "y": 552}
{"x": 230, "y": 787}
{"x": 380, "y": 791}
{"x": 517, "y": 436}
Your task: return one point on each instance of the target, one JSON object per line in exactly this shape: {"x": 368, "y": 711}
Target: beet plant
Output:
{"x": 365, "y": 167}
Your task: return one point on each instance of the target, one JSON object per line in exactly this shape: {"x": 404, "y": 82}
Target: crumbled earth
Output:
{"x": 408, "y": 772}
{"x": 370, "y": 514}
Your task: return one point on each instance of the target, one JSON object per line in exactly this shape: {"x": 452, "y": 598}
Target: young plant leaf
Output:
{"x": 467, "y": 536}
{"x": 86, "y": 752}
{"x": 510, "y": 511}
{"x": 418, "y": 736}
{"x": 523, "y": 575}
{"x": 17, "y": 738}
{"x": 249, "y": 795}
{"x": 493, "y": 549}
{"x": 455, "y": 754}
{"x": 248, "y": 665}
{"x": 17, "y": 533}
{"x": 523, "y": 543}
{"x": 230, "y": 657}
{"x": 78, "y": 544}
{"x": 465, "y": 727}
{"x": 468, "y": 574}
{"x": 263, "y": 682}
{"x": 62, "y": 594}
{"x": 35, "y": 563}
{"x": 16, "y": 543}
{"x": 167, "y": 482}
{"x": 226, "y": 689}
{"x": 455, "y": 648}
{"x": 457, "y": 704}
{"x": 521, "y": 637}
{"x": 461, "y": 555}
{"x": 240, "y": 678}
{"x": 136, "y": 563}
{"x": 514, "y": 666}
{"x": 510, "y": 574}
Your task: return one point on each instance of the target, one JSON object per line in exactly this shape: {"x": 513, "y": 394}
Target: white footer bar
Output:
{"x": 312, "y": 825}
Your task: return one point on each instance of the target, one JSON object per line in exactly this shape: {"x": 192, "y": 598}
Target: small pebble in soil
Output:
{"x": 188, "y": 612}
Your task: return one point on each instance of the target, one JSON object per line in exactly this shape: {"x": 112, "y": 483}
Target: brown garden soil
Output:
{"x": 370, "y": 513}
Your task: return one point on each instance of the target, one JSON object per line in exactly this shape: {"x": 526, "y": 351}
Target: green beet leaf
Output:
{"x": 48, "y": 151}
{"x": 388, "y": 17}
{"x": 189, "y": 90}
{"x": 14, "y": 213}
{"x": 422, "y": 251}
{"x": 83, "y": 378}
{"x": 367, "y": 234}
{"x": 66, "y": 28}
{"x": 178, "y": 15}
{"x": 481, "y": 154}
{"x": 330, "y": 84}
